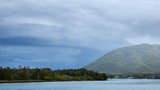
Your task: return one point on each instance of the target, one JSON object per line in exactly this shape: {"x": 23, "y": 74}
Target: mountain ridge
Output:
{"x": 143, "y": 58}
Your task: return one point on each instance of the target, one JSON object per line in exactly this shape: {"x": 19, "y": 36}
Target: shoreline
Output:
{"x": 31, "y": 81}
{"x": 21, "y": 81}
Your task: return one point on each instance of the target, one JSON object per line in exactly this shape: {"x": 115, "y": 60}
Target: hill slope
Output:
{"x": 142, "y": 58}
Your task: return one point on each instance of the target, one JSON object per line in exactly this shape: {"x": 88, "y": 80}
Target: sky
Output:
{"x": 72, "y": 33}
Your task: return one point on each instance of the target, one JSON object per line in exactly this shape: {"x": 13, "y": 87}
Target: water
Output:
{"x": 114, "y": 84}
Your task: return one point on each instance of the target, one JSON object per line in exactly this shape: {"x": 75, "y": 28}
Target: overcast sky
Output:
{"x": 73, "y": 33}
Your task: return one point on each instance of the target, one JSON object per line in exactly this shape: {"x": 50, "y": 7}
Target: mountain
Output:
{"x": 142, "y": 58}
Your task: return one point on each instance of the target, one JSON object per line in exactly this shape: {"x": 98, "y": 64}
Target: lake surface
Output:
{"x": 112, "y": 84}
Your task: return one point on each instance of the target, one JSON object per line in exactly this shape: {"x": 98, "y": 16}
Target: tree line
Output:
{"x": 47, "y": 74}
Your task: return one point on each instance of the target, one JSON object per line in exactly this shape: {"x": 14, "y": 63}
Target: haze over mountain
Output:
{"x": 142, "y": 58}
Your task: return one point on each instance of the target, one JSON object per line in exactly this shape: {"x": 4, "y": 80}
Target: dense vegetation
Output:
{"x": 46, "y": 74}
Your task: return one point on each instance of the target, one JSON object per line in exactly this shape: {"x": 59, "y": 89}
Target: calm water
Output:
{"x": 116, "y": 84}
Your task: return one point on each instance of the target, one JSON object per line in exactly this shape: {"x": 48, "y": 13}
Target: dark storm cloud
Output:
{"x": 54, "y": 57}
{"x": 24, "y": 41}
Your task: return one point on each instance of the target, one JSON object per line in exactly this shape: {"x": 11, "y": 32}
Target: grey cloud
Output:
{"x": 105, "y": 18}
{"x": 99, "y": 25}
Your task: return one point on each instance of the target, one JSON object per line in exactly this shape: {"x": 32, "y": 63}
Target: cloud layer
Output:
{"x": 70, "y": 34}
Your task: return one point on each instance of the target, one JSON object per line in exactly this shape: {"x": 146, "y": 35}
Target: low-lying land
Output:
{"x": 27, "y": 74}
{"x": 137, "y": 76}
